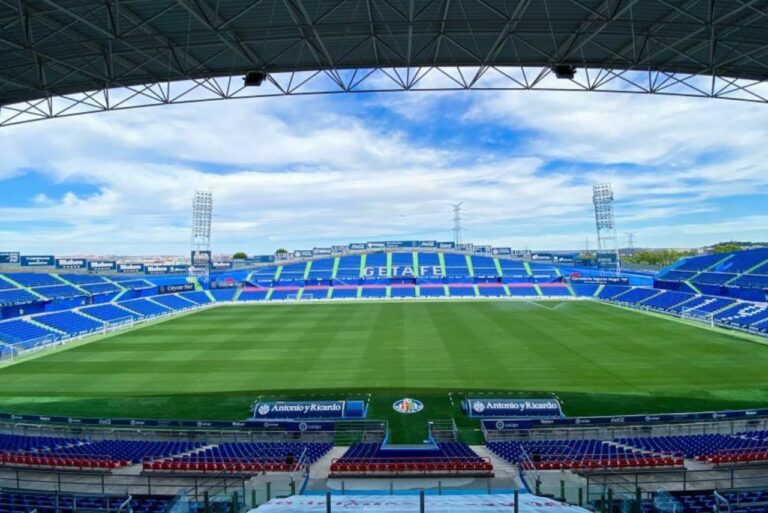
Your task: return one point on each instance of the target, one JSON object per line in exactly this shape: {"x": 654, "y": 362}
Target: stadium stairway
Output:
{"x": 469, "y": 265}
{"x": 527, "y": 268}
{"x": 335, "y": 270}
{"x": 213, "y": 299}
{"x": 538, "y": 290}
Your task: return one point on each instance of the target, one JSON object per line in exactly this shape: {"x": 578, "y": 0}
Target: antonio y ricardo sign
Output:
{"x": 510, "y": 408}
{"x": 308, "y": 410}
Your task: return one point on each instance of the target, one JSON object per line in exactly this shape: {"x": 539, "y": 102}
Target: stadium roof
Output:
{"x": 50, "y": 48}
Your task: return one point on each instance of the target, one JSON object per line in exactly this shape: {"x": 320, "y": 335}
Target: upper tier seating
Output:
{"x": 69, "y": 322}
{"x": 713, "y": 278}
{"x": 135, "y": 284}
{"x": 17, "y": 297}
{"x": 100, "y": 288}
{"x": 34, "y": 279}
{"x": 484, "y": 267}
{"x": 429, "y": 265}
{"x": 676, "y": 275}
{"x": 292, "y": 273}
{"x": 700, "y": 263}
{"x": 744, "y": 261}
{"x": 321, "y": 269}
{"x": 402, "y": 265}
{"x": 59, "y": 291}
{"x": 83, "y": 279}
{"x": 349, "y": 268}
{"x": 751, "y": 281}
{"x": 456, "y": 266}
{"x": 264, "y": 274}
{"x": 144, "y": 307}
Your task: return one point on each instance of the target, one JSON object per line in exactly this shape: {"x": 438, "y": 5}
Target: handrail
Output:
{"x": 126, "y": 503}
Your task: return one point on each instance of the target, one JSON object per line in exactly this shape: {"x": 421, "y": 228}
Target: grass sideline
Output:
{"x": 212, "y": 364}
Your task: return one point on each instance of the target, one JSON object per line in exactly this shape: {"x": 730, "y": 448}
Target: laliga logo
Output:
{"x": 478, "y": 407}
{"x": 263, "y": 409}
{"x": 408, "y": 406}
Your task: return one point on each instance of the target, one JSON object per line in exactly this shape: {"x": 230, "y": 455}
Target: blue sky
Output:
{"x": 313, "y": 171}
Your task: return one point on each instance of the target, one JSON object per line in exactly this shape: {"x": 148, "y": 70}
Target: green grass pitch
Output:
{"x": 598, "y": 359}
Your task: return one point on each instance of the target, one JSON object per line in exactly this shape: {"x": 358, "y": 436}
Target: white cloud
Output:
{"x": 314, "y": 171}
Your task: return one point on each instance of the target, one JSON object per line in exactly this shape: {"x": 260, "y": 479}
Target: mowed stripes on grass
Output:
{"x": 599, "y": 359}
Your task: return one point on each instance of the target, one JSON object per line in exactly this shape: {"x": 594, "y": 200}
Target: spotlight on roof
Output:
{"x": 254, "y": 78}
{"x": 564, "y": 71}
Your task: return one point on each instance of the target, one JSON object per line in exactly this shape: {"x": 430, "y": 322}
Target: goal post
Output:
{"x": 123, "y": 322}
{"x": 694, "y": 314}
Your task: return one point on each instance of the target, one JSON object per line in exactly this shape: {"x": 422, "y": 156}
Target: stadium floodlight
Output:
{"x": 254, "y": 78}
{"x": 202, "y": 213}
{"x": 564, "y": 71}
{"x": 605, "y": 222}
{"x": 457, "y": 223}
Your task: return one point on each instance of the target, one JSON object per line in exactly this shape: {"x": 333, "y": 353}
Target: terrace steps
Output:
{"x": 213, "y": 299}
{"x": 538, "y": 289}
{"x": 527, "y": 268}
{"x": 416, "y": 267}
{"x": 307, "y": 269}
{"x": 361, "y": 273}
{"x": 469, "y": 265}
{"x": 498, "y": 266}
{"x": 335, "y": 270}
{"x": 692, "y": 286}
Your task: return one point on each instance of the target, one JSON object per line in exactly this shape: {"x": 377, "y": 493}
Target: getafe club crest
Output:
{"x": 478, "y": 406}
{"x": 263, "y": 409}
{"x": 408, "y": 406}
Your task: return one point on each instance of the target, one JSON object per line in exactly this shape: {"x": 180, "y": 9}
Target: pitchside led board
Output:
{"x": 301, "y": 410}
{"x": 512, "y": 408}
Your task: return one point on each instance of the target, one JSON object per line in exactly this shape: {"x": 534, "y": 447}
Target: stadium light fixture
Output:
{"x": 564, "y": 71}
{"x": 254, "y": 78}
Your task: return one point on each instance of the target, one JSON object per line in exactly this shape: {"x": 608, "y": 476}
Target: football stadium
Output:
{"x": 385, "y": 375}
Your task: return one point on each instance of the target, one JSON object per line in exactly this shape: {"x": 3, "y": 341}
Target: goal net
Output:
{"x": 123, "y": 322}
{"x": 694, "y": 314}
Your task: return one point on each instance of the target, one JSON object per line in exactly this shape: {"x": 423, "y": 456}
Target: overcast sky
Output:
{"x": 315, "y": 171}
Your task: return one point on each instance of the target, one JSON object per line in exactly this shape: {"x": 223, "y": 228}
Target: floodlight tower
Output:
{"x": 202, "y": 213}
{"x": 457, "y": 223}
{"x": 605, "y": 221}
